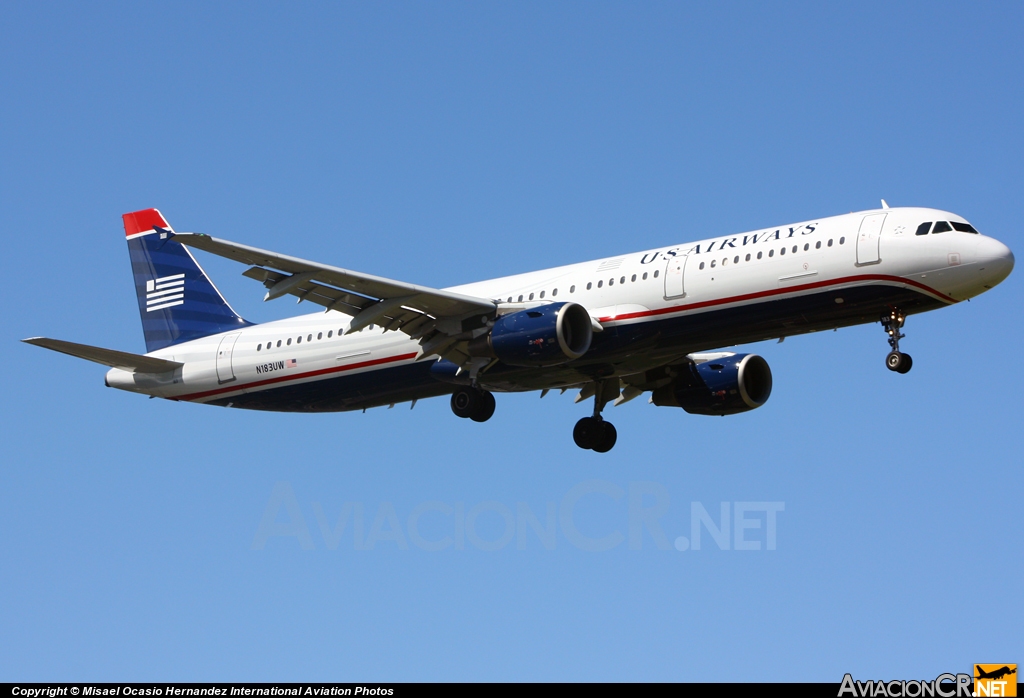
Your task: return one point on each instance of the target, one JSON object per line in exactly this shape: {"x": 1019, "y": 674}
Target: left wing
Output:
{"x": 443, "y": 321}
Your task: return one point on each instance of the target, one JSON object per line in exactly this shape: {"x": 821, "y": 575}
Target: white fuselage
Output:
{"x": 841, "y": 252}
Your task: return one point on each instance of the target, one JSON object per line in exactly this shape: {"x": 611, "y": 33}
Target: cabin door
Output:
{"x": 867, "y": 238}
{"x": 225, "y": 371}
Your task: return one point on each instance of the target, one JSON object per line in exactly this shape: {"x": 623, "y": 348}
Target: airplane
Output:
{"x": 995, "y": 674}
{"x": 614, "y": 328}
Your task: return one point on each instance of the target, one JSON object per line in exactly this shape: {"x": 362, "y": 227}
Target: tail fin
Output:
{"x": 177, "y": 301}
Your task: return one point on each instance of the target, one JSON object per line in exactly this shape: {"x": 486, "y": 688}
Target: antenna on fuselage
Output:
{"x": 885, "y": 205}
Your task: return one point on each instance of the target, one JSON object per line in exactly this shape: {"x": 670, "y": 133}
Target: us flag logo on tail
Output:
{"x": 165, "y": 292}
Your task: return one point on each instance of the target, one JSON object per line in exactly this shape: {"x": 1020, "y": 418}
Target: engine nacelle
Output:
{"x": 725, "y": 385}
{"x": 547, "y": 335}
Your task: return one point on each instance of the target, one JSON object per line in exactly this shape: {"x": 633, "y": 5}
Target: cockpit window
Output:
{"x": 964, "y": 228}
{"x": 941, "y": 227}
{"x": 924, "y": 228}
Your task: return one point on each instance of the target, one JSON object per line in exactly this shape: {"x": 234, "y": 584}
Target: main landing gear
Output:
{"x": 473, "y": 403}
{"x": 593, "y": 433}
{"x": 892, "y": 323}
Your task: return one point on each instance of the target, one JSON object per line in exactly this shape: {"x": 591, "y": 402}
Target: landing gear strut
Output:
{"x": 892, "y": 323}
{"x": 473, "y": 403}
{"x": 593, "y": 433}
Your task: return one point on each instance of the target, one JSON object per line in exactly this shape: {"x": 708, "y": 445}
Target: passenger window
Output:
{"x": 964, "y": 228}
{"x": 655, "y": 273}
{"x": 830, "y": 242}
{"x": 807, "y": 246}
{"x": 736, "y": 259}
{"x": 782, "y": 251}
{"x": 725, "y": 260}
{"x": 759, "y": 255}
{"x": 924, "y": 228}
{"x": 542, "y": 294}
{"x": 330, "y": 333}
{"x": 600, "y": 284}
{"x": 634, "y": 278}
{"x": 702, "y": 265}
{"x": 319, "y": 335}
{"x": 794, "y": 249}
{"x": 279, "y": 342}
{"x": 572, "y": 289}
{"x": 622, "y": 280}
{"x": 554, "y": 292}
{"x": 644, "y": 277}
{"x": 748, "y": 258}
{"x": 941, "y": 227}
{"x": 531, "y": 296}
{"x": 520, "y": 299}
{"x": 842, "y": 241}
{"x": 712, "y": 264}
{"x": 590, "y": 284}
{"x": 289, "y": 341}
{"x": 771, "y": 253}
{"x": 817, "y": 245}
{"x": 258, "y": 347}
{"x": 611, "y": 282}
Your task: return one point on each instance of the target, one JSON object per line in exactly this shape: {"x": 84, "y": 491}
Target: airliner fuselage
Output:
{"x": 652, "y": 306}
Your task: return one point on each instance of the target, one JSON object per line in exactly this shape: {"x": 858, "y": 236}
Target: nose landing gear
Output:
{"x": 892, "y": 323}
{"x": 473, "y": 403}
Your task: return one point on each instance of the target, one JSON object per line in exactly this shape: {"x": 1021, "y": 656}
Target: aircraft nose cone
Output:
{"x": 996, "y": 259}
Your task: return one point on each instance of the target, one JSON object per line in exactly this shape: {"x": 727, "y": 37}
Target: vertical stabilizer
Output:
{"x": 177, "y": 301}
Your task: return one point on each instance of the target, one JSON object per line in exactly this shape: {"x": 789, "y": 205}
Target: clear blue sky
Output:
{"x": 445, "y": 143}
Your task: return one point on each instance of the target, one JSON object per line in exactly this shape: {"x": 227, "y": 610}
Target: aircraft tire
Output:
{"x": 586, "y": 433}
{"x": 484, "y": 408}
{"x": 465, "y": 402}
{"x": 906, "y": 365}
{"x": 607, "y": 439}
{"x": 895, "y": 360}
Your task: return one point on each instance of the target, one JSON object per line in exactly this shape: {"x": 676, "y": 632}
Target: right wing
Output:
{"x": 443, "y": 321}
{"x": 108, "y": 357}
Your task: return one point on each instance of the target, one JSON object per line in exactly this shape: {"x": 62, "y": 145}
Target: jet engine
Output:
{"x": 724, "y": 385}
{"x": 548, "y": 335}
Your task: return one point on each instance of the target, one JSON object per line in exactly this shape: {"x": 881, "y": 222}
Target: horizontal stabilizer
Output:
{"x": 108, "y": 357}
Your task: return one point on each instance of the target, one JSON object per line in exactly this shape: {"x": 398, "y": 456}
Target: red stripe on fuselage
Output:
{"x": 777, "y": 292}
{"x": 627, "y": 316}
{"x": 308, "y": 374}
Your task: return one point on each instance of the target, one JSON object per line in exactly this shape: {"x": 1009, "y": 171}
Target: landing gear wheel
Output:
{"x": 472, "y": 403}
{"x": 907, "y": 363}
{"x": 485, "y": 409}
{"x": 586, "y": 433}
{"x": 898, "y": 362}
{"x": 608, "y": 437}
{"x": 464, "y": 400}
{"x": 593, "y": 434}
